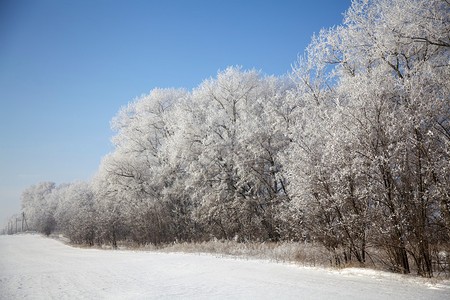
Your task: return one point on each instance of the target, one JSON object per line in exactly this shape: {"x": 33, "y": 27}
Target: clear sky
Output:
{"x": 66, "y": 68}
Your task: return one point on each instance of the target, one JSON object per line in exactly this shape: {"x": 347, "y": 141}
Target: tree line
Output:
{"x": 350, "y": 150}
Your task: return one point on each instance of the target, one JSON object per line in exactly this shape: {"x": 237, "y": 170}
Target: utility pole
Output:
{"x": 24, "y": 220}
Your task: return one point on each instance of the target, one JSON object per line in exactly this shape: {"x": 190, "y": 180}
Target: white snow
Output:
{"x": 34, "y": 267}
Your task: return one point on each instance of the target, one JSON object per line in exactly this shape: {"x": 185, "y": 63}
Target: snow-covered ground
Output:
{"x": 35, "y": 267}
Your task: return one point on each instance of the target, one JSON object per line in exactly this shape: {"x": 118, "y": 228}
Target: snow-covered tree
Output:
{"x": 132, "y": 179}
{"x": 232, "y": 132}
{"x": 37, "y": 207}
{"x": 375, "y": 143}
{"x": 75, "y": 215}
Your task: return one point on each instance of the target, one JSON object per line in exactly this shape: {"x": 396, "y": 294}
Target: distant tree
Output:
{"x": 37, "y": 208}
{"x": 76, "y": 215}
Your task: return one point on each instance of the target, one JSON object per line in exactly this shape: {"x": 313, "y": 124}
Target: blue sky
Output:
{"x": 66, "y": 68}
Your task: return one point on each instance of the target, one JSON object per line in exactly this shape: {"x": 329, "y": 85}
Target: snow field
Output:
{"x": 34, "y": 267}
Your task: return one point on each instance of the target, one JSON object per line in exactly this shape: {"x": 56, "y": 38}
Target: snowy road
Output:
{"x": 34, "y": 267}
